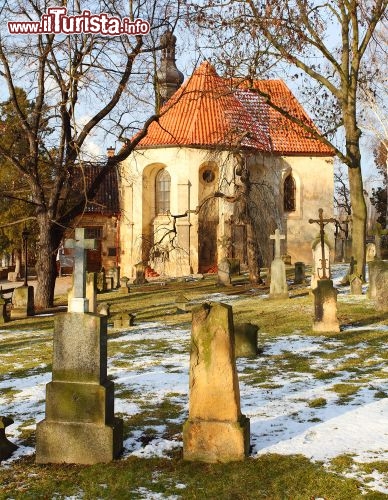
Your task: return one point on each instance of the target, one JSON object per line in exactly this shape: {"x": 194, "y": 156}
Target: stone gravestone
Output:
{"x": 321, "y": 256}
{"x": 140, "y": 269}
{"x": 4, "y": 311}
{"x": 325, "y": 307}
{"x": 300, "y": 273}
{"x": 278, "y": 287}
{"x": 245, "y": 336}
{"x": 370, "y": 252}
{"x": 382, "y": 291}
{"x": 80, "y": 426}
{"x": 216, "y": 430}
{"x": 6, "y": 446}
{"x": 355, "y": 285}
{"x": 101, "y": 285}
{"x": 224, "y": 273}
{"x": 124, "y": 287}
{"x": 374, "y": 269}
{"x": 104, "y": 309}
{"x": 23, "y": 302}
{"x": 317, "y": 262}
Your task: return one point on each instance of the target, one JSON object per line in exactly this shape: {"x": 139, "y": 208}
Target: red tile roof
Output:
{"x": 211, "y": 111}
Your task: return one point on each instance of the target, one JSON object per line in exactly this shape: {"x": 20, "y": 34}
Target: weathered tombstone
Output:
{"x": 181, "y": 303}
{"x": 109, "y": 283}
{"x": 6, "y": 446}
{"x": 13, "y": 276}
{"x": 23, "y": 302}
{"x": 216, "y": 430}
{"x": 374, "y": 269}
{"x": 317, "y": 262}
{"x": 104, "y": 309}
{"x": 4, "y": 311}
{"x": 382, "y": 291}
{"x": 355, "y": 285}
{"x": 101, "y": 285}
{"x": 140, "y": 269}
{"x": 224, "y": 273}
{"x": 113, "y": 278}
{"x": 278, "y": 288}
{"x": 124, "y": 287}
{"x": 321, "y": 258}
{"x": 245, "y": 336}
{"x": 370, "y": 252}
{"x": 325, "y": 307}
{"x": 80, "y": 426}
{"x": 117, "y": 321}
{"x": 300, "y": 273}
{"x": 91, "y": 291}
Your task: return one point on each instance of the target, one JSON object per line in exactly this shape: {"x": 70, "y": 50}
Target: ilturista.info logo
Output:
{"x": 57, "y": 21}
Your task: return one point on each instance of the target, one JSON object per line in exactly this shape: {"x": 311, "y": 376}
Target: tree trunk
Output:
{"x": 358, "y": 220}
{"x": 49, "y": 239}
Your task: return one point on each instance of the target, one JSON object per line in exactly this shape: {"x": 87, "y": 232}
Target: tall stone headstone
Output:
{"x": 370, "y": 252}
{"x": 224, "y": 273}
{"x": 278, "y": 287}
{"x": 216, "y": 430}
{"x": 79, "y": 425}
{"x": 140, "y": 278}
{"x": 317, "y": 272}
{"x": 325, "y": 307}
{"x": 23, "y": 302}
{"x": 382, "y": 291}
{"x": 374, "y": 269}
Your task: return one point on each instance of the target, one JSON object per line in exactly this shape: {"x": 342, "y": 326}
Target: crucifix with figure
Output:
{"x": 277, "y": 237}
{"x": 80, "y": 245}
{"x": 322, "y": 223}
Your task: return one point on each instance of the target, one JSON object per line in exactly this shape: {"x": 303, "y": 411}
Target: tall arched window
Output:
{"x": 289, "y": 194}
{"x": 162, "y": 192}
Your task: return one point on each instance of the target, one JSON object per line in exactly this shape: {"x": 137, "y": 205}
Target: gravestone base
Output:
{"x": 216, "y": 441}
{"x": 325, "y": 305}
{"x": 79, "y": 425}
{"x": 245, "y": 339}
{"x": 78, "y": 442}
{"x": 23, "y": 302}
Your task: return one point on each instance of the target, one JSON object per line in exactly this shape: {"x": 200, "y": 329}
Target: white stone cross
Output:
{"x": 80, "y": 244}
{"x": 277, "y": 237}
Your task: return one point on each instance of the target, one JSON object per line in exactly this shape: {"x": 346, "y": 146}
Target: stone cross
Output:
{"x": 322, "y": 223}
{"x": 277, "y": 237}
{"x": 80, "y": 244}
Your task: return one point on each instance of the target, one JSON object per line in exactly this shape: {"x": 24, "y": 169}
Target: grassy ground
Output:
{"x": 268, "y": 476}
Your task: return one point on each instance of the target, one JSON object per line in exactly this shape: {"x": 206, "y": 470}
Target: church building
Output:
{"x": 219, "y": 172}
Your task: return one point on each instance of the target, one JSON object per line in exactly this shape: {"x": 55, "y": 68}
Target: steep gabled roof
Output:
{"x": 210, "y": 111}
{"x": 106, "y": 201}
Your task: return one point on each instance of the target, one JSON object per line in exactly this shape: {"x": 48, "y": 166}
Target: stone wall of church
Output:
{"x": 197, "y": 237}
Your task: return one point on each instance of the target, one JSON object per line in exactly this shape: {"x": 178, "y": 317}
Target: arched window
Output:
{"x": 289, "y": 192}
{"x": 162, "y": 192}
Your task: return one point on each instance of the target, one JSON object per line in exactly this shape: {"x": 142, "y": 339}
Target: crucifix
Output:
{"x": 322, "y": 223}
{"x": 80, "y": 244}
{"x": 277, "y": 237}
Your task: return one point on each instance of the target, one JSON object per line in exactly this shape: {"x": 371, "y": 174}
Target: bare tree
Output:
{"x": 76, "y": 84}
{"x": 301, "y": 34}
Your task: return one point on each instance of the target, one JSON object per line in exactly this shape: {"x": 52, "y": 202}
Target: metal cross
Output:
{"x": 80, "y": 244}
{"x": 277, "y": 237}
{"x": 322, "y": 223}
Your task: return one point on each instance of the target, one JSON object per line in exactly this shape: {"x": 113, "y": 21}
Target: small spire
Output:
{"x": 168, "y": 77}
